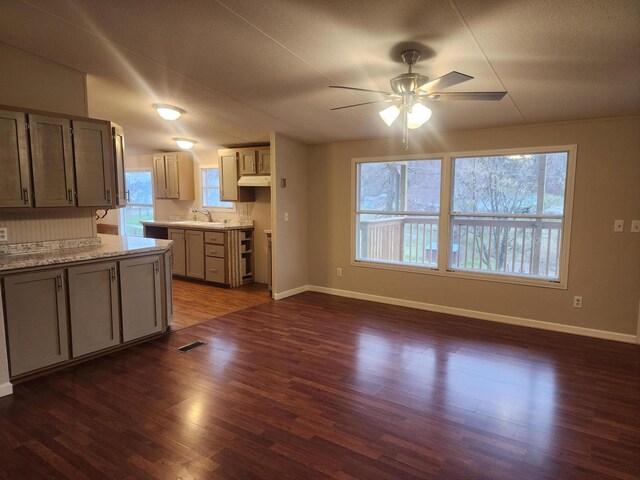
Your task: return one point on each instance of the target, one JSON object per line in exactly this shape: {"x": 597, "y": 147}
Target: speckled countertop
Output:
{"x": 110, "y": 246}
{"x": 193, "y": 225}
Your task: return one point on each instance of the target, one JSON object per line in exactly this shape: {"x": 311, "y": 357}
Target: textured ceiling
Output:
{"x": 242, "y": 68}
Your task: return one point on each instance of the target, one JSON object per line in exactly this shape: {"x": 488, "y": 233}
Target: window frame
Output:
{"x": 122, "y": 216}
{"x": 201, "y": 188}
{"x": 445, "y": 215}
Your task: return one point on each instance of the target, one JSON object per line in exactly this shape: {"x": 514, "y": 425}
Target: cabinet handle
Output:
{"x": 70, "y": 196}
{"x": 214, "y": 270}
{"x": 25, "y": 195}
{"x": 113, "y": 273}
{"x": 59, "y": 281}
{"x": 128, "y": 195}
{"x": 157, "y": 264}
{"x": 108, "y": 195}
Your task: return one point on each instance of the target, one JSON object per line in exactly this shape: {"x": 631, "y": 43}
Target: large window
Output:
{"x": 507, "y": 214}
{"x": 210, "y": 179}
{"x": 139, "y": 207}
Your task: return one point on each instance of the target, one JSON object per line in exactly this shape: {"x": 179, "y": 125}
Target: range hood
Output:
{"x": 255, "y": 181}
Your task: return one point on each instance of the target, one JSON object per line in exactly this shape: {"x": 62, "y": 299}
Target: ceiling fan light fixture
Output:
{"x": 168, "y": 112}
{"x": 390, "y": 114}
{"x": 418, "y": 115}
{"x": 185, "y": 143}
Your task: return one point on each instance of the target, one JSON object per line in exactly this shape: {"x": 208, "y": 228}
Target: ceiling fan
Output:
{"x": 412, "y": 90}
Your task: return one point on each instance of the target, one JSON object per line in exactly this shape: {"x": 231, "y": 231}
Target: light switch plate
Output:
{"x": 618, "y": 226}
{"x": 635, "y": 226}
{"x": 3, "y": 235}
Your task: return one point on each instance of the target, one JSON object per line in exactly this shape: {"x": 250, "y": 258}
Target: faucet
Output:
{"x": 204, "y": 211}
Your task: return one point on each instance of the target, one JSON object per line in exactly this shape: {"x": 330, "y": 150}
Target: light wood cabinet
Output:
{"x": 52, "y": 161}
{"x": 173, "y": 174}
{"x": 264, "y": 162}
{"x": 248, "y": 162}
{"x": 194, "y": 240}
{"x": 229, "y": 175}
{"x": 36, "y": 319}
{"x": 94, "y": 164}
{"x": 94, "y": 311}
{"x": 178, "y": 252}
{"x": 15, "y": 180}
{"x": 140, "y": 297}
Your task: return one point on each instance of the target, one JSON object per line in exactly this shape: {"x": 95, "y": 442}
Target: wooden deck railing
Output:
{"x": 522, "y": 247}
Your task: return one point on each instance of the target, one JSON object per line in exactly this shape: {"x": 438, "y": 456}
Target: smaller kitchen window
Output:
{"x": 139, "y": 185}
{"x": 210, "y": 178}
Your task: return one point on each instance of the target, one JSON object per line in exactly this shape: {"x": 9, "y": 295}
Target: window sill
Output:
{"x": 467, "y": 275}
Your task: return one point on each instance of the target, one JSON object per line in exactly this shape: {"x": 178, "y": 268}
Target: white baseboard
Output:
{"x": 290, "y": 293}
{"x": 492, "y": 317}
{"x": 6, "y": 389}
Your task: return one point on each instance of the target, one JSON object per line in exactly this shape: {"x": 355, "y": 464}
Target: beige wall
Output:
{"x": 290, "y": 242}
{"x": 604, "y": 266}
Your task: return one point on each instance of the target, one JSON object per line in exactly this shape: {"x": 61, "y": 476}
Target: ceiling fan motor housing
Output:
{"x": 408, "y": 82}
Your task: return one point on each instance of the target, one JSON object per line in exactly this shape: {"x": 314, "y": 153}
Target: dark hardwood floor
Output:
{"x": 317, "y": 386}
{"x": 195, "y": 302}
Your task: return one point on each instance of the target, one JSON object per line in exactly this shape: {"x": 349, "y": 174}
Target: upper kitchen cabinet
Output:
{"x": 52, "y": 161}
{"x": 94, "y": 162}
{"x": 230, "y": 166}
{"x": 254, "y": 161}
{"x": 174, "y": 175}
{"x": 264, "y": 161}
{"x": 15, "y": 181}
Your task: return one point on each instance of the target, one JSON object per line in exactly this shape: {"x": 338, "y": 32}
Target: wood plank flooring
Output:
{"x": 195, "y": 302}
{"x": 316, "y": 387}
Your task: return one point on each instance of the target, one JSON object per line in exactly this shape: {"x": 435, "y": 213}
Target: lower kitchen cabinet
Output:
{"x": 36, "y": 319}
{"x": 94, "y": 307}
{"x": 178, "y": 252}
{"x": 194, "y": 240}
{"x": 140, "y": 297}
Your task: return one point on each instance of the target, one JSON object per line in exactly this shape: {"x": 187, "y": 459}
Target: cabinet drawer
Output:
{"x": 214, "y": 237}
{"x": 214, "y": 250}
{"x": 215, "y": 269}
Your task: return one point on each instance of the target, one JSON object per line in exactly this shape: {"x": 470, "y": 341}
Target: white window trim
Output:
{"x": 200, "y": 189}
{"x": 121, "y": 219}
{"x": 445, "y": 217}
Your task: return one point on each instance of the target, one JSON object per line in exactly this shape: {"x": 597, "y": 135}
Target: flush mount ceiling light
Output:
{"x": 412, "y": 90}
{"x": 168, "y": 112}
{"x": 185, "y": 143}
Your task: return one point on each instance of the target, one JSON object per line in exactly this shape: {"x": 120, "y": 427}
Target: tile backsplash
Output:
{"x": 40, "y": 226}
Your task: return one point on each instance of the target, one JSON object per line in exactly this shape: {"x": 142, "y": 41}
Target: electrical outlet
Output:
{"x": 577, "y": 302}
{"x": 618, "y": 226}
{"x": 635, "y": 226}
{"x": 286, "y": 216}
{"x": 338, "y": 272}
{"x": 241, "y": 211}
{"x": 3, "y": 235}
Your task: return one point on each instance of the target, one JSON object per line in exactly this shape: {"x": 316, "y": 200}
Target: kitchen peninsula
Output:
{"x": 216, "y": 252}
{"x": 66, "y": 301}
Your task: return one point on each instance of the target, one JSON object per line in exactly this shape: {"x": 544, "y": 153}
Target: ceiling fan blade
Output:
{"x": 439, "y": 96}
{"x": 445, "y": 81}
{"x": 365, "y": 103}
{"x": 360, "y": 89}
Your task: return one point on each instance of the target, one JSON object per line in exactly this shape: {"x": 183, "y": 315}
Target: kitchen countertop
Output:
{"x": 110, "y": 246}
{"x": 192, "y": 224}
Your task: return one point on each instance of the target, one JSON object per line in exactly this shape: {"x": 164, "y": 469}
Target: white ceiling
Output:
{"x": 242, "y": 68}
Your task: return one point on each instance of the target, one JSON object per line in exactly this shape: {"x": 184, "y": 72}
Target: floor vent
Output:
{"x": 191, "y": 346}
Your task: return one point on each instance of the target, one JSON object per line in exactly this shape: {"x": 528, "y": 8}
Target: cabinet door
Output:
{"x": 141, "y": 297}
{"x": 178, "y": 252}
{"x": 171, "y": 176}
{"x": 228, "y": 177}
{"x": 248, "y": 162}
{"x": 52, "y": 161}
{"x": 264, "y": 162}
{"x": 160, "y": 175}
{"x": 118, "y": 159}
{"x": 168, "y": 287}
{"x": 195, "y": 253}
{"x": 94, "y": 163}
{"x": 93, "y": 307}
{"x": 36, "y": 316}
{"x": 15, "y": 188}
